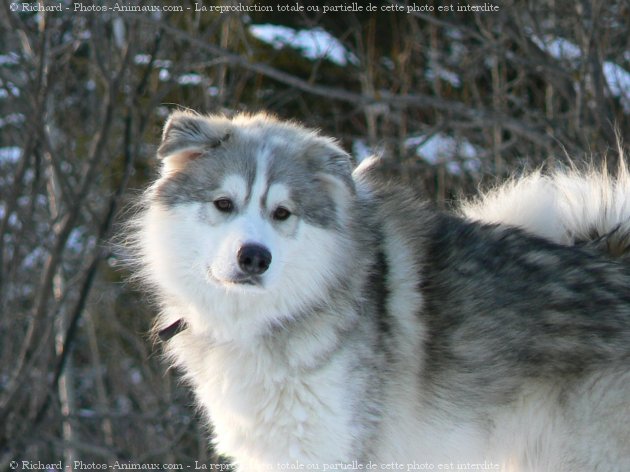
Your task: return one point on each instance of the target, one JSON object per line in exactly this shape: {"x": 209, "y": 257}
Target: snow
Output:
{"x": 7, "y": 88}
{"x": 10, "y": 154}
{"x": 436, "y": 70}
{"x": 192, "y": 78}
{"x": 314, "y": 43}
{"x": 617, "y": 78}
{"x": 361, "y": 150}
{"x": 449, "y": 59}
{"x": 437, "y": 149}
{"x": 34, "y": 258}
{"x": 558, "y": 48}
{"x": 189, "y": 79}
{"x": 164, "y": 75}
{"x": 11, "y": 119}
{"x": 163, "y": 63}
{"x": 9, "y": 59}
{"x": 142, "y": 59}
{"x": 440, "y": 148}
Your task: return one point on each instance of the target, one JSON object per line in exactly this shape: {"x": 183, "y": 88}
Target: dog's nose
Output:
{"x": 253, "y": 259}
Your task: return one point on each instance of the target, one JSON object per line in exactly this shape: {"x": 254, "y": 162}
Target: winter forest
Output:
{"x": 453, "y": 95}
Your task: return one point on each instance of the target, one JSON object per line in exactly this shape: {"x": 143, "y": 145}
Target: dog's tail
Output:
{"x": 587, "y": 208}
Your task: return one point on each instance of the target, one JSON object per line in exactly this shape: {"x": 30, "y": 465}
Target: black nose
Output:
{"x": 253, "y": 259}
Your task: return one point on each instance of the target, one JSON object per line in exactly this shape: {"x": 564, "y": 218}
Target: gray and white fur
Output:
{"x": 324, "y": 316}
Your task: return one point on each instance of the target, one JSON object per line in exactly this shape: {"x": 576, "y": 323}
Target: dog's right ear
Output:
{"x": 187, "y": 136}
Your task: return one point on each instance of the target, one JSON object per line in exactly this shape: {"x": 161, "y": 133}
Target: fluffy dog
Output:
{"x": 326, "y": 319}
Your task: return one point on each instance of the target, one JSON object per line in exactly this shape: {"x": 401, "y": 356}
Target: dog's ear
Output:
{"x": 187, "y": 136}
{"x": 334, "y": 164}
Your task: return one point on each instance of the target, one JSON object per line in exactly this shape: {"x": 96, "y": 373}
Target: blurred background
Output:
{"x": 453, "y": 100}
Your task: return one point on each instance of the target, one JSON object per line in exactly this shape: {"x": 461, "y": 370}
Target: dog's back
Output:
{"x": 526, "y": 345}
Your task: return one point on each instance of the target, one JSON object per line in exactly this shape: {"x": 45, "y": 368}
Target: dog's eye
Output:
{"x": 224, "y": 205}
{"x": 281, "y": 214}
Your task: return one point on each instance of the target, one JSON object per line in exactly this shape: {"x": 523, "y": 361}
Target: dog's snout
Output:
{"x": 253, "y": 259}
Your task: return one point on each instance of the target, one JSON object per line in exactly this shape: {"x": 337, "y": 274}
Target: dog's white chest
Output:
{"x": 266, "y": 414}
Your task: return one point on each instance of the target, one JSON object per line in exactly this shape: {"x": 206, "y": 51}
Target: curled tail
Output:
{"x": 586, "y": 208}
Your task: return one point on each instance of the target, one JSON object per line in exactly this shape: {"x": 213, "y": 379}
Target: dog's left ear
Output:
{"x": 187, "y": 136}
{"x": 334, "y": 164}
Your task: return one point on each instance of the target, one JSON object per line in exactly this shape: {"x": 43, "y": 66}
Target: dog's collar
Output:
{"x": 172, "y": 330}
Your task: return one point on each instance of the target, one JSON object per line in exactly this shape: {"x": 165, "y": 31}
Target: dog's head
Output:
{"x": 248, "y": 204}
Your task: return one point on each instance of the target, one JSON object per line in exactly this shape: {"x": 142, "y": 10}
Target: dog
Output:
{"x": 327, "y": 319}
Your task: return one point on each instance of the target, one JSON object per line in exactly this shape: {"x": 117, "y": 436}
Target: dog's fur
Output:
{"x": 383, "y": 330}
{"x": 584, "y": 208}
